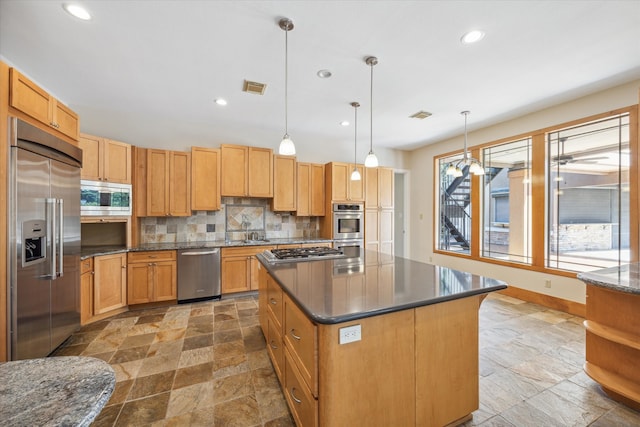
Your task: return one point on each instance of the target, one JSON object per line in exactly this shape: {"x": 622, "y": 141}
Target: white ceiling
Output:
{"x": 147, "y": 72}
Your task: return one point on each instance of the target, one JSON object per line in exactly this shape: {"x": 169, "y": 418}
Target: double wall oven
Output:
{"x": 348, "y": 228}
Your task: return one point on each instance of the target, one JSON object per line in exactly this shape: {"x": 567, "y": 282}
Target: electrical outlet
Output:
{"x": 350, "y": 334}
{"x": 547, "y": 283}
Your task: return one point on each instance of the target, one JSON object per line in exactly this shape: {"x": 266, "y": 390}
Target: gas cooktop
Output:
{"x": 302, "y": 254}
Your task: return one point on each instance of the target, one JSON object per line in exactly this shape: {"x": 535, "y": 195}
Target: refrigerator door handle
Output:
{"x": 60, "y": 237}
{"x": 52, "y": 234}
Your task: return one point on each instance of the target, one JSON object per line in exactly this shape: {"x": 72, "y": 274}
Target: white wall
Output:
{"x": 422, "y": 198}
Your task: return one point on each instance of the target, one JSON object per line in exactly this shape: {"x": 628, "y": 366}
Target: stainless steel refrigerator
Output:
{"x": 44, "y": 240}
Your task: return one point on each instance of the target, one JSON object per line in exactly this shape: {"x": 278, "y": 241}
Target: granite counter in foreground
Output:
{"x": 54, "y": 391}
{"x": 625, "y": 278}
{"x": 332, "y": 291}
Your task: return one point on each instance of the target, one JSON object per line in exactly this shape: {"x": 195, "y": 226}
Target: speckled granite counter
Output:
{"x": 397, "y": 283}
{"x": 54, "y": 391}
{"x": 625, "y": 278}
{"x": 89, "y": 251}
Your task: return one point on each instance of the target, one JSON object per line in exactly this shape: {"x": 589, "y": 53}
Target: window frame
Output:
{"x": 538, "y": 194}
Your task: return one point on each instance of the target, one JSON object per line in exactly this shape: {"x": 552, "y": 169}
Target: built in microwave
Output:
{"x": 104, "y": 198}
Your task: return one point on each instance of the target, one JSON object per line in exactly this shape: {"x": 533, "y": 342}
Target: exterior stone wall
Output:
{"x": 581, "y": 237}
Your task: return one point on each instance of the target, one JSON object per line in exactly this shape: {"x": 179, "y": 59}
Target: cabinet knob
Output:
{"x": 272, "y": 301}
{"x": 93, "y": 272}
{"x": 124, "y": 266}
{"x": 292, "y": 332}
{"x": 293, "y": 396}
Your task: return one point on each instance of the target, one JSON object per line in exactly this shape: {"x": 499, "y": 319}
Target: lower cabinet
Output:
{"x": 152, "y": 277}
{"x": 239, "y": 268}
{"x": 86, "y": 290}
{"x": 109, "y": 283}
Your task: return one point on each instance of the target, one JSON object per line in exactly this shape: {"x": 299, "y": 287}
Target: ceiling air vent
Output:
{"x": 254, "y": 87}
{"x": 420, "y": 115}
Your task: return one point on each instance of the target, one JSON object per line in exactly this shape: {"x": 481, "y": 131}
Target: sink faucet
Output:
{"x": 245, "y": 225}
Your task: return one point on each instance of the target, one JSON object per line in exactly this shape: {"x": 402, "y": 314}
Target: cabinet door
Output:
{"x": 356, "y": 188}
{"x": 371, "y": 194}
{"x": 29, "y": 98}
{"x": 157, "y": 182}
{"x": 205, "y": 179}
{"x": 303, "y": 190}
{"x": 284, "y": 183}
{"x": 165, "y": 280}
{"x": 117, "y": 161}
{"x": 260, "y": 176}
{"x": 64, "y": 119}
{"x": 91, "y": 158}
{"x": 371, "y": 228}
{"x": 340, "y": 181}
{"x": 179, "y": 183}
{"x": 110, "y": 282}
{"x": 86, "y": 291}
{"x": 385, "y": 188}
{"x": 385, "y": 231}
{"x": 233, "y": 164}
{"x": 317, "y": 190}
{"x": 236, "y": 274}
{"x": 140, "y": 283}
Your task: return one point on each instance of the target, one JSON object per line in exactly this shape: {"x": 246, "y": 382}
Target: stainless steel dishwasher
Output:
{"x": 198, "y": 274}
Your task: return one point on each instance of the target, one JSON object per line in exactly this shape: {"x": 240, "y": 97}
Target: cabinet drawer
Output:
{"x": 300, "y": 337}
{"x": 303, "y": 406}
{"x": 275, "y": 348}
{"x": 244, "y": 251}
{"x": 86, "y": 265}
{"x": 151, "y": 256}
{"x": 274, "y": 302}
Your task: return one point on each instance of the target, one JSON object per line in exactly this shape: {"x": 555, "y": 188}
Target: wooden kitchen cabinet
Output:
{"x": 205, "y": 179}
{"x": 379, "y": 213}
{"x": 339, "y": 184}
{"x": 310, "y": 194}
{"x": 284, "y": 183}
{"x": 86, "y": 290}
{"x": 379, "y": 188}
{"x": 105, "y": 159}
{"x": 152, "y": 277}
{"x": 246, "y": 171}
{"x": 239, "y": 268}
{"x": 32, "y": 100}
{"x": 168, "y": 183}
{"x": 110, "y": 282}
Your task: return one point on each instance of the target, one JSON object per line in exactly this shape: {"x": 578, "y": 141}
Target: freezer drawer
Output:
{"x": 198, "y": 274}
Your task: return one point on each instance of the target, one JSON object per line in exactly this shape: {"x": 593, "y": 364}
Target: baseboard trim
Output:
{"x": 555, "y": 303}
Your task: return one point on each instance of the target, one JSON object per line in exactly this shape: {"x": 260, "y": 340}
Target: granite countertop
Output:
{"x": 89, "y": 251}
{"x": 54, "y": 391}
{"x": 625, "y": 278}
{"x": 337, "y": 290}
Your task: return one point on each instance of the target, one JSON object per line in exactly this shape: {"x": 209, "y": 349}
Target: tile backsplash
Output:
{"x": 226, "y": 224}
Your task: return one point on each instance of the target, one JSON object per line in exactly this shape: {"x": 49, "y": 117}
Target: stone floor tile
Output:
{"x": 195, "y": 357}
{"x": 233, "y": 387}
{"x": 137, "y": 340}
{"x": 144, "y": 411}
{"x": 193, "y": 375}
{"x": 152, "y": 384}
{"x": 241, "y": 412}
{"x": 129, "y": 354}
{"x": 205, "y": 340}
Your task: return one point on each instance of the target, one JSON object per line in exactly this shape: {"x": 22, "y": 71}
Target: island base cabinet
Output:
{"x": 303, "y": 406}
{"x": 447, "y": 375}
{"x": 350, "y": 390}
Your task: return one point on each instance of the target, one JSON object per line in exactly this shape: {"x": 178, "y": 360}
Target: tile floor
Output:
{"x": 205, "y": 364}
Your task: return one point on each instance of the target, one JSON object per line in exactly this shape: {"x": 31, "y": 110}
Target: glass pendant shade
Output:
{"x": 371, "y": 161}
{"x": 355, "y": 175}
{"x": 476, "y": 169}
{"x": 451, "y": 169}
{"x": 287, "y": 148}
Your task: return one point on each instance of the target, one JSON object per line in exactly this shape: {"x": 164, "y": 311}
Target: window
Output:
{"x": 507, "y": 201}
{"x": 455, "y": 209}
{"x": 588, "y": 195}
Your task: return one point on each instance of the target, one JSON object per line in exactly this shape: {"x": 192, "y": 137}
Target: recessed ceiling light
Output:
{"x": 221, "y": 101}
{"x": 472, "y": 36}
{"x": 324, "y": 74}
{"x": 77, "y": 11}
{"x": 344, "y": 123}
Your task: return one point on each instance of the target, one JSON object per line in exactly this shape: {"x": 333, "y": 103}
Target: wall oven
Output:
{"x": 348, "y": 221}
{"x": 104, "y": 198}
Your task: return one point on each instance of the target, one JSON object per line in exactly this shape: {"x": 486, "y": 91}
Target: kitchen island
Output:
{"x": 613, "y": 331}
{"x": 379, "y": 340}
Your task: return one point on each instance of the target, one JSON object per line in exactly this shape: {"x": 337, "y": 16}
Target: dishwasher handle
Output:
{"x": 215, "y": 251}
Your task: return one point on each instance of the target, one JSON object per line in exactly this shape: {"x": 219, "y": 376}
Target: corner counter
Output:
{"x": 64, "y": 391}
{"x": 387, "y": 340}
{"x": 613, "y": 331}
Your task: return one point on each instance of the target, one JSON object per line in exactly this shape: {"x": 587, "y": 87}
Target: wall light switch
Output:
{"x": 350, "y": 334}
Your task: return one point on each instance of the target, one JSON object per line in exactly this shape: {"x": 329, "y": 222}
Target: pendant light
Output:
{"x": 371, "y": 161}
{"x": 475, "y": 167}
{"x": 355, "y": 175}
{"x": 287, "y": 147}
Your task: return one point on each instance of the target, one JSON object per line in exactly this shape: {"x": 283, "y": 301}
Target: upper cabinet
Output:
{"x": 246, "y": 171}
{"x": 379, "y": 188}
{"x": 339, "y": 184}
{"x": 205, "y": 179}
{"x": 310, "y": 190}
{"x": 105, "y": 160}
{"x": 32, "y": 100}
{"x": 284, "y": 183}
{"x": 163, "y": 183}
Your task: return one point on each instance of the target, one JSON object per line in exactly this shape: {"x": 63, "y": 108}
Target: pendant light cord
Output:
{"x": 355, "y": 135}
{"x": 371, "y": 109}
{"x": 466, "y": 113}
{"x": 286, "y": 82}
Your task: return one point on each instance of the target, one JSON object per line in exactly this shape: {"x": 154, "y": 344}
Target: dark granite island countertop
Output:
{"x": 386, "y": 284}
{"x": 54, "y": 391}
